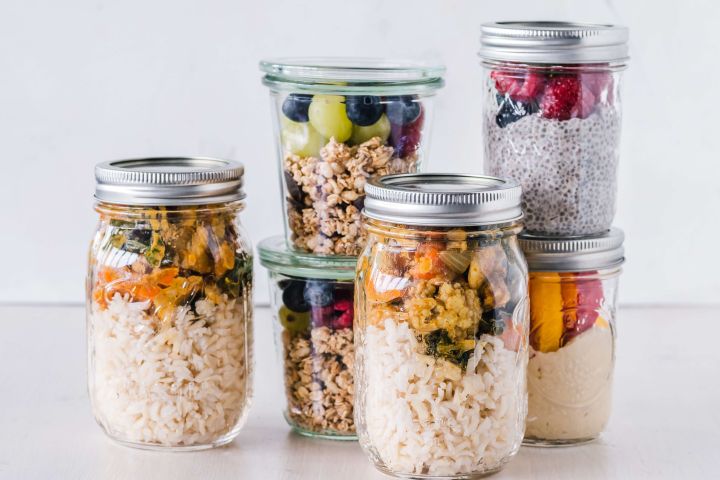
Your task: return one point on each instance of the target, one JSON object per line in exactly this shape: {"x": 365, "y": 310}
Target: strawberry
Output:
{"x": 561, "y": 95}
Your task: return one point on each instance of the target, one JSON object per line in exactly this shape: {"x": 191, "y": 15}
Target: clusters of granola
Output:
{"x": 326, "y": 194}
{"x": 319, "y": 379}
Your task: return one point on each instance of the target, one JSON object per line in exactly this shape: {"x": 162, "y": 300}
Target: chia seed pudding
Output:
{"x": 552, "y": 119}
{"x": 567, "y": 168}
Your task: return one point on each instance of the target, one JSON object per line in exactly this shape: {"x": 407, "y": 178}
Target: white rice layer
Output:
{"x": 426, "y": 416}
{"x": 188, "y": 384}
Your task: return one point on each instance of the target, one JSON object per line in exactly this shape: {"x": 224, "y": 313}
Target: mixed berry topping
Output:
{"x": 554, "y": 95}
{"x": 315, "y": 304}
{"x": 405, "y": 138}
{"x": 309, "y": 121}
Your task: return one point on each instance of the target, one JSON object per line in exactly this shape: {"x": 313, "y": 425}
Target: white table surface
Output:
{"x": 665, "y": 424}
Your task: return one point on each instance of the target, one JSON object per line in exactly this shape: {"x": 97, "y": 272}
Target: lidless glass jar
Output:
{"x": 441, "y": 326}
{"x": 552, "y": 119}
{"x": 573, "y": 287}
{"x": 339, "y": 122}
{"x": 169, "y": 303}
{"x": 312, "y": 298}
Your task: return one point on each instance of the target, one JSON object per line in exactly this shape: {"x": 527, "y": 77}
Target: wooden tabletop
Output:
{"x": 665, "y": 422}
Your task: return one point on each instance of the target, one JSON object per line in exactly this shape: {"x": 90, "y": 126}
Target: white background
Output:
{"x": 88, "y": 81}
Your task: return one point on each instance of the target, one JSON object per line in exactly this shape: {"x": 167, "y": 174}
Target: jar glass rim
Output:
{"x": 352, "y": 75}
{"x": 276, "y": 256}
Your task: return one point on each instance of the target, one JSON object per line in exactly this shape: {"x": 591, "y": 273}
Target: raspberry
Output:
{"x": 343, "y": 305}
{"x": 506, "y": 82}
{"x": 344, "y": 321}
{"x": 596, "y": 82}
{"x": 531, "y": 87}
{"x": 522, "y": 88}
{"x": 560, "y": 97}
{"x": 586, "y": 105}
{"x": 406, "y": 138}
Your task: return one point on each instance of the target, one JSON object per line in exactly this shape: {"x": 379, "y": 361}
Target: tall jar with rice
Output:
{"x": 169, "y": 312}
{"x": 441, "y": 326}
{"x": 339, "y": 122}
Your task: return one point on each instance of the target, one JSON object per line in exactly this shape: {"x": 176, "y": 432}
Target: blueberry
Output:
{"x": 295, "y": 107}
{"x": 363, "y": 110}
{"x": 511, "y": 111}
{"x": 318, "y": 293}
{"x": 293, "y": 296}
{"x": 402, "y": 110}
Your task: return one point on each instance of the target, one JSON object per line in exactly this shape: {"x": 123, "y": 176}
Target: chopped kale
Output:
{"x": 240, "y": 275}
{"x": 491, "y": 323}
{"x": 438, "y": 344}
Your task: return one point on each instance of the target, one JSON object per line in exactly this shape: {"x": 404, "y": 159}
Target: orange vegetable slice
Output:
{"x": 383, "y": 288}
{"x": 546, "y": 312}
{"x": 427, "y": 262}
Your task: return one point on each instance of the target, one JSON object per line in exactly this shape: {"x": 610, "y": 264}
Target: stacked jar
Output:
{"x": 338, "y": 124}
{"x": 552, "y": 111}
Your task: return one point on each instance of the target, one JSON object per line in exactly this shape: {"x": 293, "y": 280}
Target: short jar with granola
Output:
{"x": 552, "y": 119}
{"x": 312, "y": 300}
{"x": 169, "y": 303}
{"x": 573, "y": 290}
{"x": 339, "y": 122}
{"x": 441, "y": 326}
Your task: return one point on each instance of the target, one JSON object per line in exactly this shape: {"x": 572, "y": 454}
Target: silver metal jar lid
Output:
{"x": 574, "y": 254}
{"x": 442, "y": 200}
{"x": 169, "y": 181}
{"x": 553, "y": 42}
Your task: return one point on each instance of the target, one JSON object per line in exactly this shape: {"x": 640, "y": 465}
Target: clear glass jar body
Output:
{"x": 314, "y": 335}
{"x": 169, "y": 325}
{"x": 441, "y": 349}
{"x": 572, "y": 355}
{"x": 556, "y": 130}
{"x": 326, "y": 159}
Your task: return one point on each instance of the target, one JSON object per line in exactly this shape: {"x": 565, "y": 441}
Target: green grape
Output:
{"x": 381, "y": 129}
{"x": 300, "y": 138}
{"x": 328, "y": 116}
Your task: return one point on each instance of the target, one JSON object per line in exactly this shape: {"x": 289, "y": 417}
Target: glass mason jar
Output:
{"x": 337, "y": 123}
{"x": 169, "y": 303}
{"x": 441, "y": 326}
{"x": 312, "y": 300}
{"x": 573, "y": 290}
{"x": 552, "y": 116}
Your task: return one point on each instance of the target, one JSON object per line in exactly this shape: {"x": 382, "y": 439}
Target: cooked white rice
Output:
{"x": 186, "y": 385}
{"x": 426, "y": 416}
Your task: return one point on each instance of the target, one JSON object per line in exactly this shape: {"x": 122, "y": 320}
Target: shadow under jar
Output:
{"x": 339, "y": 122}
{"x": 169, "y": 303}
{"x": 573, "y": 290}
{"x": 552, "y": 116}
{"x": 441, "y": 326}
{"x": 312, "y": 301}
